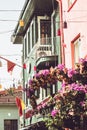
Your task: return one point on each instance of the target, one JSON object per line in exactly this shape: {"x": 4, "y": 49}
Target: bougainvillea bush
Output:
{"x": 70, "y": 102}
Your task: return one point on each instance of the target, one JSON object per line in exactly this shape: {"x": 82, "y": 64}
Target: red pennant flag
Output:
{"x": 10, "y": 65}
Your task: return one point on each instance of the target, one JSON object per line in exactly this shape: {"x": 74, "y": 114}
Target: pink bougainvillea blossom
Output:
{"x": 54, "y": 112}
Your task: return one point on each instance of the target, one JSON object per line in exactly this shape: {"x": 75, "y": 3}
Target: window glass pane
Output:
{"x": 70, "y": 2}
{"x": 77, "y": 50}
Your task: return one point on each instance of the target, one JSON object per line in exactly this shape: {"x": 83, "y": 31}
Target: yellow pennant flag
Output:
{"x": 23, "y": 104}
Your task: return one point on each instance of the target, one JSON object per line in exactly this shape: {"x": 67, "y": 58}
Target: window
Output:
{"x": 43, "y": 93}
{"x": 76, "y": 51}
{"x": 26, "y": 95}
{"x": 37, "y": 93}
{"x": 10, "y": 125}
{"x": 29, "y": 42}
{"x": 45, "y": 26}
{"x": 32, "y": 35}
{"x": 25, "y": 47}
{"x": 51, "y": 90}
{"x": 36, "y": 30}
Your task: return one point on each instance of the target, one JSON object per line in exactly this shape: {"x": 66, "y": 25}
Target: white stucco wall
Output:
{"x": 8, "y": 112}
{"x": 76, "y": 23}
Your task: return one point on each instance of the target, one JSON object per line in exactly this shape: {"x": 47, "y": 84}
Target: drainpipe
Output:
{"x": 61, "y": 31}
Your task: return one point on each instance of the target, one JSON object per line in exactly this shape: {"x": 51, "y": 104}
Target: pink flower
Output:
{"x": 39, "y": 107}
{"x": 60, "y": 66}
{"x": 82, "y": 103}
{"x": 71, "y": 72}
{"x": 37, "y": 75}
{"x": 81, "y": 60}
{"x": 30, "y": 81}
{"x": 54, "y": 112}
{"x": 45, "y": 72}
{"x": 44, "y": 104}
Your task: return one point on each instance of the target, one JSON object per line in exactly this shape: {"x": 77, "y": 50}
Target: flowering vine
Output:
{"x": 70, "y": 102}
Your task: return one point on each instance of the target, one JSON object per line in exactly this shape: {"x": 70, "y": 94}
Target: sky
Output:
{"x": 9, "y": 15}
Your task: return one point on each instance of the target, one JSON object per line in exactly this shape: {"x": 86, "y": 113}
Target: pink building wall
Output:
{"x": 76, "y": 19}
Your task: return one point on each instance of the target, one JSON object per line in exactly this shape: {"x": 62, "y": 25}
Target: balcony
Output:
{"x": 45, "y": 47}
{"x": 46, "y": 55}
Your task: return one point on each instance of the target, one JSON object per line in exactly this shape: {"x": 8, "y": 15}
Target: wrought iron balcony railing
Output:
{"x": 44, "y": 47}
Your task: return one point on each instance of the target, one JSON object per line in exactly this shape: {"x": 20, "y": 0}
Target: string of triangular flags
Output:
{"x": 10, "y": 64}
